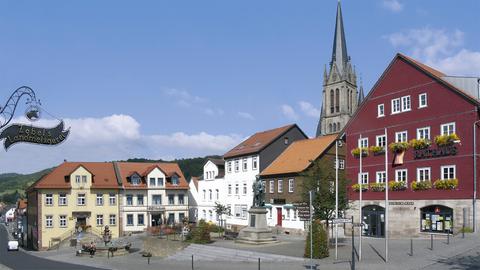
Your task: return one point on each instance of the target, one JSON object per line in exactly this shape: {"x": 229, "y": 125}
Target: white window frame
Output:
{"x": 254, "y": 163}
{"x": 99, "y": 199}
{"x": 378, "y": 140}
{"x": 62, "y": 221}
{"x": 245, "y": 189}
{"x": 133, "y": 221}
{"x": 442, "y": 171}
{"x": 112, "y": 199}
{"x": 424, "y": 169}
{"x": 210, "y": 195}
{"x": 406, "y": 100}
{"x": 99, "y": 220}
{"x": 245, "y": 164}
{"x": 81, "y": 202}
{"x": 363, "y": 142}
{"x": 447, "y": 125}
{"x": 84, "y": 179}
{"x": 129, "y": 199}
{"x": 400, "y": 174}
{"x": 181, "y": 199}
{"x": 142, "y": 201}
{"x": 291, "y": 183}
{"x": 229, "y": 166}
{"x": 112, "y": 220}
{"x": 379, "y": 176}
{"x": 62, "y": 199}
{"x": 143, "y": 220}
{"x": 401, "y": 138}
{"x": 237, "y": 188}
{"x": 420, "y": 105}
{"x": 341, "y": 163}
{"x": 171, "y": 199}
{"x": 363, "y": 178}
{"x": 49, "y": 199}
{"x": 237, "y": 165}
{"x": 394, "y": 108}
{"x": 217, "y": 194}
{"x": 229, "y": 189}
{"x": 271, "y": 186}
{"x": 77, "y": 179}
{"x": 153, "y": 181}
{"x": 280, "y": 186}
{"x": 422, "y": 130}
{"x": 381, "y": 110}
{"x": 49, "y": 221}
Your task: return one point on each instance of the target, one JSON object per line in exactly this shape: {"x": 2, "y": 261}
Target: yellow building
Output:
{"x": 74, "y": 196}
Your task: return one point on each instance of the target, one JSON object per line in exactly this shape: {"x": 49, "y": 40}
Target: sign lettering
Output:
{"x": 24, "y": 133}
{"x": 450, "y": 150}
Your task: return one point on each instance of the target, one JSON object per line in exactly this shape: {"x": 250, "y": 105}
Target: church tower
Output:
{"x": 340, "y": 94}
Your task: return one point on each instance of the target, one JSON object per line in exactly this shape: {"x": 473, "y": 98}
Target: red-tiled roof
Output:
{"x": 257, "y": 142}
{"x": 22, "y": 204}
{"x": 126, "y": 169}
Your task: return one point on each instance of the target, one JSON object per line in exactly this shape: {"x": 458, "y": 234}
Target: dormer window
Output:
{"x": 175, "y": 180}
{"x": 135, "y": 179}
{"x": 285, "y": 140}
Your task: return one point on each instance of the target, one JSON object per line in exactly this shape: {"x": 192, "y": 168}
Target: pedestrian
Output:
{"x": 92, "y": 248}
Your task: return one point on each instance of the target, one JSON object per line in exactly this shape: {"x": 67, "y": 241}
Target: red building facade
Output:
{"x": 432, "y": 189}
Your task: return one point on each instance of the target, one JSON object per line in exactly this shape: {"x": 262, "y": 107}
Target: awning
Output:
{"x": 288, "y": 206}
{"x": 267, "y": 205}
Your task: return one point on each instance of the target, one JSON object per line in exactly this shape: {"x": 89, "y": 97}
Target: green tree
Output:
{"x": 320, "y": 178}
{"x": 320, "y": 242}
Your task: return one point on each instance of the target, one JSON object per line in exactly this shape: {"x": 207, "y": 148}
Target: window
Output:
{"x": 210, "y": 195}
{"x": 270, "y": 213}
{"x": 49, "y": 199}
{"x": 236, "y": 189}
{"x": 80, "y": 199}
{"x": 395, "y": 105}
{"x": 140, "y": 220}
{"x": 77, "y": 179}
{"x": 244, "y": 211}
{"x": 113, "y": 220}
{"x": 139, "y": 199}
{"x": 112, "y": 199}
{"x": 157, "y": 199}
{"x": 84, "y": 179}
{"x": 160, "y": 181}
{"x": 204, "y": 195}
{"x": 237, "y": 165}
{"x": 332, "y": 102}
{"x": 99, "y": 199}
{"x": 285, "y": 140}
{"x": 99, "y": 220}
{"x": 181, "y": 217}
{"x": 423, "y": 174}
{"x": 152, "y": 182}
{"x": 204, "y": 214}
{"x": 406, "y": 104}
{"x": 337, "y": 100}
{"x": 448, "y": 172}
{"x": 381, "y": 140}
{"x": 290, "y": 185}
{"x": 217, "y": 193}
{"x": 171, "y": 219}
{"x": 380, "y": 110}
{"x": 422, "y": 100}
{"x": 135, "y": 180}
{"x": 244, "y": 164}
{"x": 272, "y": 186}
{"x": 254, "y": 163}
{"x": 49, "y": 221}
{"x": 129, "y": 220}
{"x": 210, "y": 214}
{"x": 244, "y": 188}
{"x": 401, "y": 176}
{"x": 342, "y": 164}
{"x": 448, "y": 129}
{"x": 381, "y": 177}
{"x": 129, "y": 199}
{"x": 175, "y": 180}
{"x": 363, "y": 178}
{"x": 229, "y": 166}
{"x": 62, "y": 199}
{"x": 363, "y": 142}
{"x": 229, "y": 189}
{"x": 238, "y": 210}
{"x": 171, "y": 199}
{"x": 181, "y": 199}
{"x": 401, "y": 136}
{"x": 63, "y": 221}
{"x": 280, "y": 186}
{"x": 423, "y": 133}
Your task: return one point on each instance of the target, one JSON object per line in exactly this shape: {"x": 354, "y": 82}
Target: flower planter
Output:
{"x": 377, "y": 150}
{"x": 397, "y": 186}
{"x": 356, "y": 152}
{"x": 446, "y": 184}
{"x": 377, "y": 187}
{"x": 420, "y": 144}
{"x": 356, "y": 187}
{"x": 445, "y": 140}
{"x": 424, "y": 185}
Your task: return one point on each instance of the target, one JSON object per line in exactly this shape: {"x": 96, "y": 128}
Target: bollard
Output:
{"x": 192, "y": 262}
{"x": 431, "y": 241}
{"x": 448, "y": 238}
{"x": 148, "y": 259}
{"x": 258, "y": 263}
{"x": 411, "y": 247}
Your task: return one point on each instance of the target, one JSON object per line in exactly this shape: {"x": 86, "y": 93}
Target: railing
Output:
{"x": 56, "y": 241}
{"x": 96, "y": 231}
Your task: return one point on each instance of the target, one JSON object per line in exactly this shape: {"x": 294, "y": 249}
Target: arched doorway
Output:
{"x": 436, "y": 218}
{"x": 373, "y": 221}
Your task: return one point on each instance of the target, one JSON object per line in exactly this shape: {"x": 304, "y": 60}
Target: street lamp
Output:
{"x": 7, "y": 112}
{"x": 475, "y": 174}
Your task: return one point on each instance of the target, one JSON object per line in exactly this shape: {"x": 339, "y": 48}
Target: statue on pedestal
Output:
{"x": 258, "y": 193}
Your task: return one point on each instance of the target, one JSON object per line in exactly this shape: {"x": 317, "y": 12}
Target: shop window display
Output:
{"x": 436, "y": 218}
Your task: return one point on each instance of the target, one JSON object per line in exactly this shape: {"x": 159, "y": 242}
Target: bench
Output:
{"x": 230, "y": 235}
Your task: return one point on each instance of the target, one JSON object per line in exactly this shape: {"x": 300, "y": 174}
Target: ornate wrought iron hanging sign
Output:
{"x": 16, "y": 133}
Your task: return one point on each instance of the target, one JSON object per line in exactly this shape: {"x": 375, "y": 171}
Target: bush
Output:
{"x": 377, "y": 187}
{"x": 444, "y": 140}
{"x": 397, "y": 186}
{"x": 420, "y": 143}
{"x": 320, "y": 242}
{"x": 398, "y": 147}
{"x": 377, "y": 150}
{"x": 466, "y": 230}
{"x": 424, "y": 185}
{"x": 200, "y": 234}
{"x": 356, "y": 152}
{"x": 446, "y": 184}
{"x": 356, "y": 187}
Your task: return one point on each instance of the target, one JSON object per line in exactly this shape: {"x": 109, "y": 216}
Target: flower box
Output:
{"x": 398, "y": 147}
{"x": 377, "y": 187}
{"x": 377, "y": 150}
{"x": 446, "y": 184}
{"x": 420, "y": 144}
{"x": 397, "y": 186}
{"x": 356, "y": 152}
{"x": 444, "y": 140}
{"x": 356, "y": 187}
{"x": 423, "y": 185}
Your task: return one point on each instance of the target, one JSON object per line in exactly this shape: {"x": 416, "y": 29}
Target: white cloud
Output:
{"x": 392, "y": 5}
{"x": 114, "y": 137}
{"x": 308, "y": 109}
{"x": 245, "y": 115}
{"x": 184, "y": 98}
{"x": 439, "y": 48}
{"x": 289, "y": 112}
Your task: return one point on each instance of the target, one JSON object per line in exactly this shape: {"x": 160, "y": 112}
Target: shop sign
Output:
{"x": 25, "y": 133}
{"x": 433, "y": 153}
{"x": 402, "y": 203}
{"x": 303, "y": 211}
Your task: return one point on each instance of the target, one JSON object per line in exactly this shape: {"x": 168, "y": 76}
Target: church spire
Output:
{"x": 339, "y": 54}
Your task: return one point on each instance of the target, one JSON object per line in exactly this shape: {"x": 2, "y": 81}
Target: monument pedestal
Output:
{"x": 257, "y": 232}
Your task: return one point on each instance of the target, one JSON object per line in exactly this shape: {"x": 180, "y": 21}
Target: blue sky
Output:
{"x": 167, "y": 79}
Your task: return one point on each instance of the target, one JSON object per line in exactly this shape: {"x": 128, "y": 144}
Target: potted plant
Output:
{"x": 446, "y": 184}
{"x": 397, "y": 186}
{"x": 377, "y": 187}
{"x": 356, "y": 152}
{"x": 444, "y": 140}
{"x": 356, "y": 187}
{"x": 377, "y": 150}
{"x": 398, "y": 148}
{"x": 418, "y": 144}
{"x": 422, "y": 185}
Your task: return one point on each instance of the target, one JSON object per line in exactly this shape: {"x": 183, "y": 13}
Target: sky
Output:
{"x": 178, "y": 79}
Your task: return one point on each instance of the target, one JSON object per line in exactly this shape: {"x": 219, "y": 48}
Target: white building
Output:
{"x": 10, "y": 215}
{"x": 211, "y": 190}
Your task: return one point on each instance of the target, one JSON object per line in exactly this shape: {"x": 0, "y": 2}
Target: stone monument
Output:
{"x": 257, "y": 232}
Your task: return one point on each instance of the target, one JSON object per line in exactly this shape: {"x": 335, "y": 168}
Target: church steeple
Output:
{"x": 340, "y": 56}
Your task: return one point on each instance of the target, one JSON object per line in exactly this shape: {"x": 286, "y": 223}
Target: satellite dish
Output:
{"x": 33, "y": 113}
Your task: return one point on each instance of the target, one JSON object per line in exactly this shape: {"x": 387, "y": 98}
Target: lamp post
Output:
{"x": 475, "y": 174}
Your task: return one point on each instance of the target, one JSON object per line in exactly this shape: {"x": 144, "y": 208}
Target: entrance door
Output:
{"x": 373, "y": 221}
{"x": 279, "y": 216}
{"x": 81, "y": 221}
{"x": 156, "y": 220}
